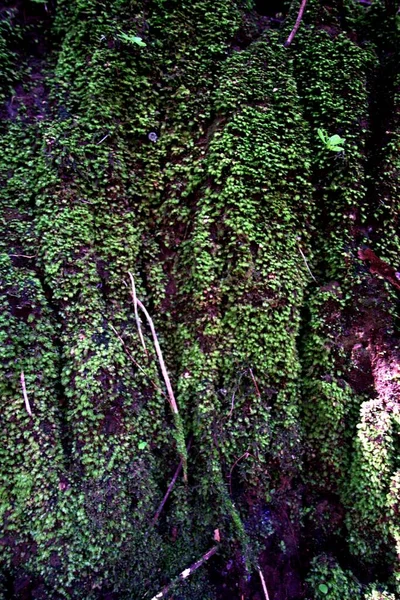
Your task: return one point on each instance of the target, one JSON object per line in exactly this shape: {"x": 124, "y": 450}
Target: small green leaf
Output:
{"x": 322, "y": 135}
{"x": 131, "y": 39}
{"x": 323, "y": 588}
{"x": 142, "y": 445}
{"x": 335, "y": 139}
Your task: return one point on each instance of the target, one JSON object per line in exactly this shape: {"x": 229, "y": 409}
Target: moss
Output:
{"x": 219, "y": 216}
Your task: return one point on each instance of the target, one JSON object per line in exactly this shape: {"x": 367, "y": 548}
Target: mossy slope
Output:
{"x": 219, "y": 214}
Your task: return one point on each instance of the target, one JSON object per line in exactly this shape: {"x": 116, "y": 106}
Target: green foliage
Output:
{"x": 210, "y": 219}
{"x": 328, "y": 580}
{"x": 331, "y": 143}
{"x": 131, "y": 39}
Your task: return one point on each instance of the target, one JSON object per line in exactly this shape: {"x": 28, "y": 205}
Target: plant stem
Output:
{"x": 297, "y": 24}
{"x": 186, "y": 573}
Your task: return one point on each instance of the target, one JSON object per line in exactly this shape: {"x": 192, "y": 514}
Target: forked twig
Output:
{"x": 186, "y": 573}
{"x": 179, "y": 438}
{"x": 164, "y": 372}
{"x": 264, "y": 585}
{"x": 135, "y": 305}
{"x": 297, "y": 24}
{"x": 25, "y": 395}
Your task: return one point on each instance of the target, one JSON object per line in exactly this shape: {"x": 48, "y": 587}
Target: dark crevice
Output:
{"x": 66, "y": 438}
{"x": 270, "y": 8}
{"x": 382, "y": 109}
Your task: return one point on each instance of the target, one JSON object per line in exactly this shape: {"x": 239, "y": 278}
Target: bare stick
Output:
{"x": 135, "y": 305}
{"x": 27, "y": 405}
{"x": 305, "y": 262}
{"x": 102, "y": 139}
{"x": 171, "y": 397}
{"x": 264, "y": 585}
{"x": 136, "y": 363}
{"x": 297, "y": 24}
{"x": 255, "y": 383}
{"x": 171, "y": 485}
{"x": 164, "y": 372}
{"x": 186, "y": 573}
{"x": 23, "y": 255}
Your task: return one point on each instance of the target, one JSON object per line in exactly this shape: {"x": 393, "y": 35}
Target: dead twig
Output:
{"x": 164, "y": 372}
{"x": 25, "y": 395}
{"x": 23, "y": 255}
{"x": 297, "y": 24}
{"x": 135, "y": 306}
{"x": 102, "y": 139}
{"x": 186, "y": 573}
{"x": 245, "y": 455}
{"x": 171, "y": 485}
{"x": 255, "y": 383}
{"x": 179, "y": 438}
{"x": 264, "y": 585}
{"x": 306, "y": 263}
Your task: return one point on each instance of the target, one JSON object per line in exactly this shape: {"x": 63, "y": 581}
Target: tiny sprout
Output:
{"x": 131, "y": 39}
{"x": 331, "y": 143}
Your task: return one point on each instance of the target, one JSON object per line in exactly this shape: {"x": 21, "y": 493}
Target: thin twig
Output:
{"x": 23, "y": 255}
{"x": 245, "y": 455}
{"x": 171, "y": 398}
{"x": 305, "y": 262}
{"x": 255, "y": 383}
{"x": 137, "y": 364}
{"x": 135, "y": 305}
{"x": 26, "y": 399}
{"x": 164, "y": 372}
{"x": 186, "y": 573}
{"x": 264, "y": 585}
{"x": 102, "y": 139}
{"x": 171, "y": 485}
{"x": 297, "y": 24}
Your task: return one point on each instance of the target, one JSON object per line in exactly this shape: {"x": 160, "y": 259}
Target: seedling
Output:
{"x": 131, "y": 39}
{"x": 331, "y": 143}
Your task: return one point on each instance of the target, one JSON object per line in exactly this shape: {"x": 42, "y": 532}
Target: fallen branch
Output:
{"x": 25, "y": 395}
{"x": 186, "y": 573}
{"x": 264, "y": 585}
{"x": 297, "y": 24}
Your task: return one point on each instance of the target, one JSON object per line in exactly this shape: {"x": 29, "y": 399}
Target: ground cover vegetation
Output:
{"x": 251, "y": 189}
